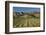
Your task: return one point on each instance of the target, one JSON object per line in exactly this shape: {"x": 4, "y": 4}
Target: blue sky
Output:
{"x": 25, "y": 9}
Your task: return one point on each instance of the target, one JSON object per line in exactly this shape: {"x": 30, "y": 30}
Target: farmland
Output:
{"x": 26, "y": 21}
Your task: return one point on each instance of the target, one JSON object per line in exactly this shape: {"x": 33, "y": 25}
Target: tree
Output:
{"x": 22, "y": 13}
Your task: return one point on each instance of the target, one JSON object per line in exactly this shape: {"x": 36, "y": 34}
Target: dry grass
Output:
{"x": 26, "y": 21}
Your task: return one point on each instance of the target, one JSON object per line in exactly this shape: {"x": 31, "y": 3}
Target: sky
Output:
{"x": 25, "y": 9}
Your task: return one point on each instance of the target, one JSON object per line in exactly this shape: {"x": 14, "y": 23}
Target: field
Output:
{"x": 26, "y": 21}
